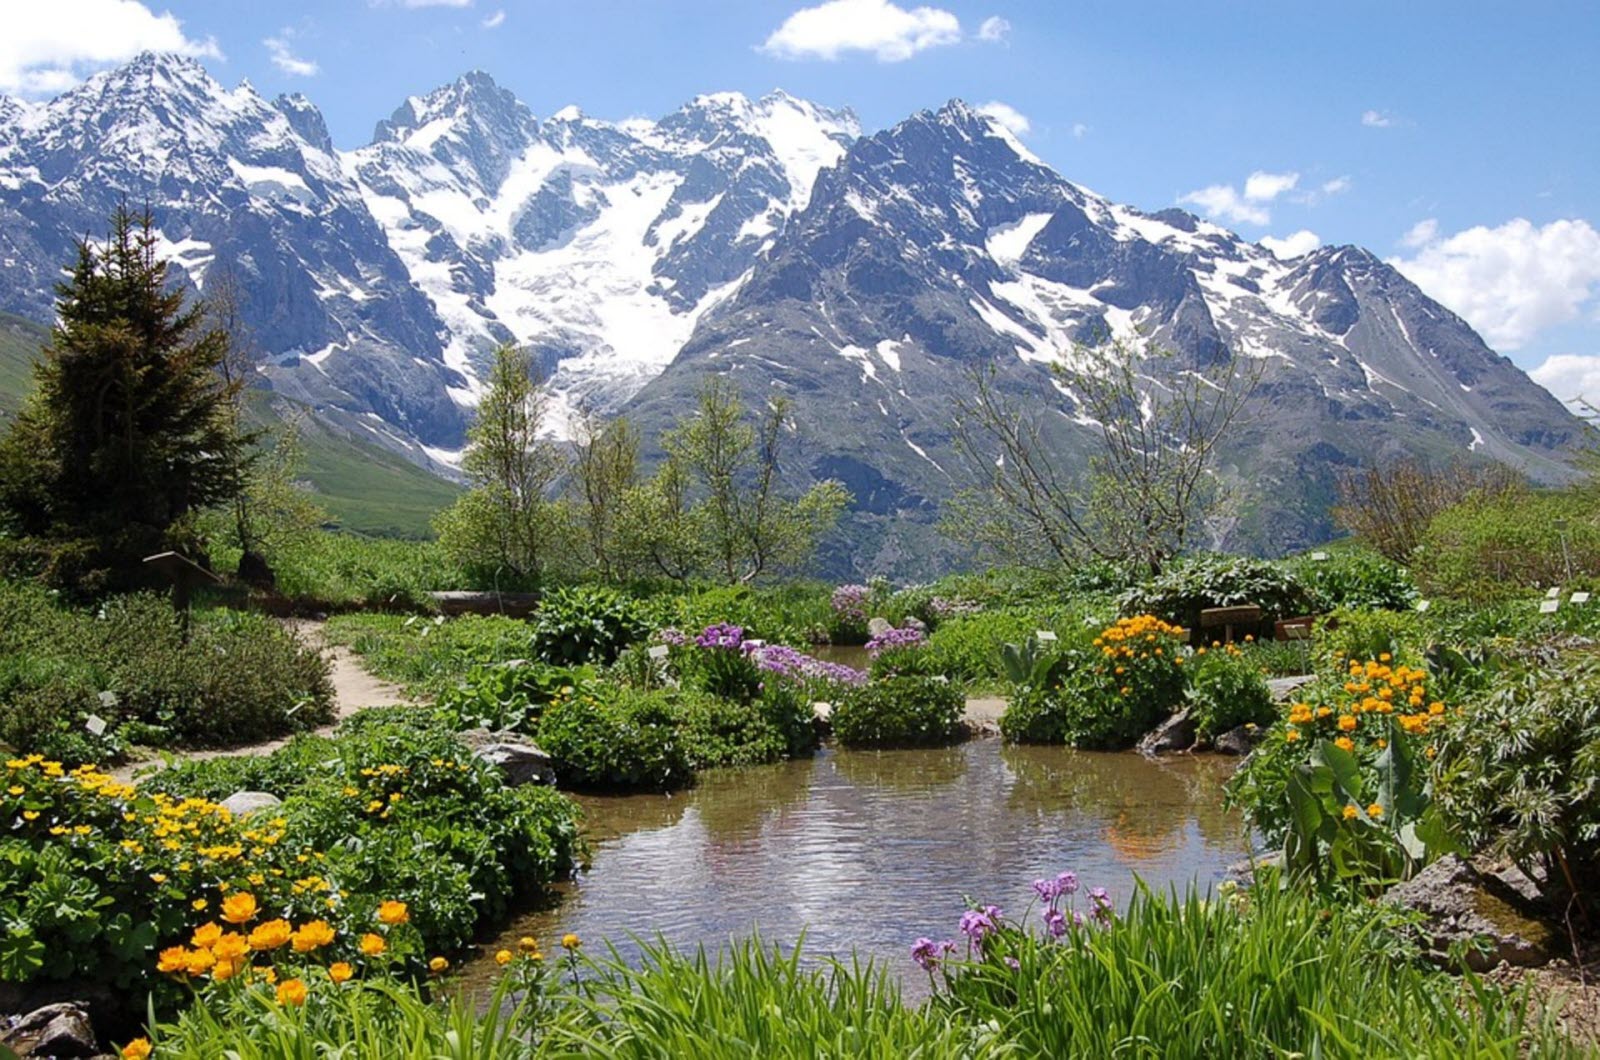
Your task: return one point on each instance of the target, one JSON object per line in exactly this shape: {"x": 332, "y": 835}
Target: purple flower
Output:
{"x": 1067, "y": 883}
{"x": 723, "y": 635}
{"x": 975, "y": 925}
{"x": 1014, "y": 964}
{"x": 1055, "y": 922}
{"x": 1045, "y": 889}
{"x": 1102, "y": 905}
{"x": 849, "y": 602}
{"x": 891, "y": 639}
{"x": 926, "y": 954}
{"x": 674, "y": 637}
{"x": 1099, "y": 896}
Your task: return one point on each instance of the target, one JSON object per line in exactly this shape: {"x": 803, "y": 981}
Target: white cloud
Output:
{"x": 284, "y": 59}
{"x": 1292, "y": 246}
{"x": 47, "y": 47}
{"x": 889, "y": 32}
{"x": 1376, "y": 119}
{"x": 1009, "y": 116}
{"x": 994, "y": 29}
{"x": 1570, "y": 376}
{"x": 494, "y": 21}
{"x": 1510, "y": 282}
{"x": 1335, "y": 186}
{"x": 1079, "y": 130}
{"x": 1225, "y": 201}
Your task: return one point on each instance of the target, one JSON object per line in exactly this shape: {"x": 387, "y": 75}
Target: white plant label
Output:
{"x": 1044, "y": 636}
{"x": 1319, "y": 556}
{"x": 96, "y": 724}
{"x": 658, "y": 651}
{"x": 1580, "y": 598}
{"x": 1553, "y": 592}
{"x": 1422, "y": 605}
{"x": 1548, "y": 607}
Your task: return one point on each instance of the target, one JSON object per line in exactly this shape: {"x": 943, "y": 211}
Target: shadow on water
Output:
{"x": 867, "y": 850}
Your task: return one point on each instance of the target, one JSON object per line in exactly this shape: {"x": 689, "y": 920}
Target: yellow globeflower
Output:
{"x": 373, "y": 945}
{"x": 239, "y": 908}
{"x": 1347, "y": 722}
{"x": 292, "y": 992}
{"x": 570, "y": 942}
{"x": 392, "y": 913}
{"x": 199, "y": 962}
{"x": 1374, "y": 810}
{"x": 503, "y": 958}
{"x": 339, "y": 971}
{"x": 172, "y": 959}
{"x": 270, "y": 935}
{"x": 1344, "y": 743}
{"x": 206, "y": 935}
{"x": 438, "y": 964}
{"x": 1350, "y": 812}
{"x": 230, "y": 947}
{"x": 225, "y": 969}
{"x": 138, "y": 1049}
{"x": 528, "y": 944}
{"x": 312, "y": 935}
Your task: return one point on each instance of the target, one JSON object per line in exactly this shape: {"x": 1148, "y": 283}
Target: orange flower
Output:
{"x": 339, "y": 971}
{"x": 198, "y": 962}
{"x": 373, "y": 945}
{"x": 172, "y": 959}
{"x": 239, "y": 908}
{"x": 230, "y": 947}
{"x": 138, "y": 1049}
{"x": 1350, "y": 812}
{"x": 1344, "y": 743}
{"x": 206, "y": 935}
{"x": 225, "y": 968}
{"x": 528, "y": 944}
{"x": 392, "y": 913}
{"x": 438, "y": 964}
{"x": 1374, "y": 810}
{"x": 270, "y": 935}
{"x": 503, "y": 958}
{"x": 292, "y": 992}
{"x": 1347, "y": 722}
{"x": 312, "y": 935}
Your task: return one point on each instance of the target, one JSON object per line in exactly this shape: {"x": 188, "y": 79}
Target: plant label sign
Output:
{"x": 1548, "y": 607}
{"x": 1319, "y": 557}
{"x": 1423, "y": 605}
{"x": 1044, "y": 636}
{"x": 1580, "y": 598}
{"x": 658, "y": 651}
{"x": 1553, "y": 592}
{"x": 96, "y": 725}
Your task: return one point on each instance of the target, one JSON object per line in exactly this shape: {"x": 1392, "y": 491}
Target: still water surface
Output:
{"x": 865, "y": 850}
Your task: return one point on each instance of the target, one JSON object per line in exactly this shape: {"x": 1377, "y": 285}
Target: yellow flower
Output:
{"x": 198, "y": 962}
{"x": 1350, "y": 812}
{"x": 1374, "y": 810}
{"x": 312, "y": 935}
{"x": 503, "y": 958}
{"x": 339, "y": 971}
{"x": 225, "y": 969}
{"x": 270, "y": 934}
{"x": 1291, "y": 736}
{"x": 238, "y": 908}
{"x": 1344, "y": 743}
{"x": 570, "y": 942}
{"x": 373, "y": 945}
{"x": 438, "y": 964}
{"x": 528, "y": 944}
{"x": 1347, "y": 722}
{"x": 206, "y": 935}
{"x": 138, "y": 1049}
{"x": 392, "y": 913}
{"x": 198, "y": 905}
{"x": 172, "y": 959}
{"x": 292, "y": 992}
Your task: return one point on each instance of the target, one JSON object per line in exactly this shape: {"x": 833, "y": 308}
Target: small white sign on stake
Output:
{"x": 1044, "y": 636}
{"x": 1423, "y": 605}
{"x": 658, "y": 651}
{"x": 1548, "y": 607}
{"x": 1319, "y": 557}
{"x": 1553, "y": 592}
{"x": 1580, "y": 598}
{"x": 96, "y": 725}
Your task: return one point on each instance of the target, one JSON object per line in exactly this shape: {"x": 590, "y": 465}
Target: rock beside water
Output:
{"x": 519, "y": 760}
{"x": 1177, "y": 733}
{"x": 59, "y": 1030}
{"x": 244, "y": 803}
{"x": 1483, "y": 916}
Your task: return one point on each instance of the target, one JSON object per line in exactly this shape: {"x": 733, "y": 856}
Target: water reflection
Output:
{"x": 868, "y": 850}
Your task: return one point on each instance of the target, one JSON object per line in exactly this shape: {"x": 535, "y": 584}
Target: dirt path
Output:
{"x": 354, "y": 690}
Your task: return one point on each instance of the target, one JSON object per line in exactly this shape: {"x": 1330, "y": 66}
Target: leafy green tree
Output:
{"x": 605, "y": 468}
{"x": 716, "y": 506}
{"x": 129, "y": 431}
{"x": 506, "y": 520}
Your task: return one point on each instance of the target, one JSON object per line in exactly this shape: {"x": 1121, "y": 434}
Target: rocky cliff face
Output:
{"x": 864, "y": 276}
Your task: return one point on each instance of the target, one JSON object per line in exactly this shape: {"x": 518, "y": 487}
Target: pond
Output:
{"x": 866, "y": 851}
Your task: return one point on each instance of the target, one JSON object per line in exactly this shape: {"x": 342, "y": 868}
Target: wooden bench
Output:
{"x": 1225, "y": 618}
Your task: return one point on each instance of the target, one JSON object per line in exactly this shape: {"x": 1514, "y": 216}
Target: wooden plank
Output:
{"x": 1212, "y": 617}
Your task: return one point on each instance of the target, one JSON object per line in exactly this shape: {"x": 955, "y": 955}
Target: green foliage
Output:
{"x": 1226, "y": 690}
{"x": 1363, "y": 635}
{"x": 240, "y": 677}
{"x": 793, "y": 612}
{"x": 509, "y": 695}
{"x": 130, "y": 429}
{"x": 430, "y": 656}
{"x": 1353, "y": 578}
{"x": 967, "y": 649}
{"x": 586, "y": 623}
{"x": 1519, "y": 770}
{"x": 721, "y": 732}
{"x": 611, "y": 737}
{"x": 1487, "y": 549}
{"x": 899, "y": 711}
{"x": 1179, "y": 593}
{"x": 388, "y": 812}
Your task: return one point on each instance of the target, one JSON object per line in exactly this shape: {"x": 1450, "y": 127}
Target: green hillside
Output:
{"x": 364, "y": 489}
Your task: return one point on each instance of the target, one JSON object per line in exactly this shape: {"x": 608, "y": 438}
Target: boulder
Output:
{"x": 1240, "y": 741}
{"x": 877, "y": 627}
{"x": 244, "y": 803}
{"x": 1177, "y": 733}
{"x": 519, "y": 760}
{"x": 1462, "y": 906}
{"x": 61, "y": 1029}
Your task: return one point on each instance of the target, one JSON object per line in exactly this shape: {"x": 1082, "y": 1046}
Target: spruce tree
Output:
{"x": 129, "y": 431}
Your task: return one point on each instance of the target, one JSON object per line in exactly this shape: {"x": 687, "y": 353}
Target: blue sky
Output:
{"x": 1458, "y": 138}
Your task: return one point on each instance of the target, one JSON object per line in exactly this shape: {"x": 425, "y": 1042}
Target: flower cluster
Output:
{"x": 983, "y": 925}
{"x": 723, "y": 635}
{"x": 850, "y": 602}
{"x": 895, "y": 639}
{"x": 786, "y": 662}
{"x": 672, "y": 637}
{"x": 1141, "y": 633}
{"x": 1358, "y": 714}
{"x": 943, "y": 609}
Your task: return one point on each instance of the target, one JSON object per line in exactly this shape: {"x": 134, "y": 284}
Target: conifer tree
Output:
{"x": 129, "y": 431}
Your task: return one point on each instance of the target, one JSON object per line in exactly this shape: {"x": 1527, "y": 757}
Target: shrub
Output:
{"x": 1519, "y": 770}
{"x": 1189, "y": 586}
{"x": 719, "y": 732}
{"x": 1226, "y": 690}
{"x": 1105, "y": 695}
{"x": 900, "y": 651}
{"x": 1489, "y": 549}
{"x": 239, "y": 678}
{"x": 718, "y": 661}
{"x": 509, "y": 695}
{"x": 96, "y": 876}
{"x": 791, "y": 613}
{"x": 608, "y": 736}
{"x": 1354, "y": 578}
{"x": 1390, "y": 508}
{"x": 586, "y": 623}
{"x": 967, "y": 649}
{"x": 900, "y": 711}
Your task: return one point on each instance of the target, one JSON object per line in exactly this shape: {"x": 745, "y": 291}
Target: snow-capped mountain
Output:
{"x": 866, "y": 276}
